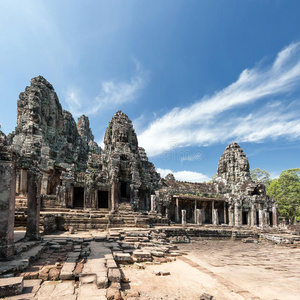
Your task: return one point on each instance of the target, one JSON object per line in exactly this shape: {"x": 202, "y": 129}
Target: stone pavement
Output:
{"x": 90, "y": 265}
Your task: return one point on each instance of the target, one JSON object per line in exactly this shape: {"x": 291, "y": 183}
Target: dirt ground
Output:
{"x": 225, "y": 269}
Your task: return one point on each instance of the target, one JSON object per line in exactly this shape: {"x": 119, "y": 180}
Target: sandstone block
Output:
{"x": 11, "y": 286}
{"x": 114, "y": 275}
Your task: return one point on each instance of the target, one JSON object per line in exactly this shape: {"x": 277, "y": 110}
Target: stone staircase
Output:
{"x": 126, "y": 217}
{"x": 21, "y": 201}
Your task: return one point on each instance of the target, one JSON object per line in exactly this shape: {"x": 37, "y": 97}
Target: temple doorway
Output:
{"x": 78, "y": 197}
{"x": 125, "y": 192}
{"x": 102, "y": 199}
{"x": 245, "y": 218}
{"x": 271, "y": 218}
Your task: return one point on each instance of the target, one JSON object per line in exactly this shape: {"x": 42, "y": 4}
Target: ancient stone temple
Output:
{"x": 75, "y": 172}
{"x": 233, "y": 198}
{"x": 54, "y": 172}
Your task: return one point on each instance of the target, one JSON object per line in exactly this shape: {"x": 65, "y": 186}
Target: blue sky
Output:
{"x": 193, "y": 76}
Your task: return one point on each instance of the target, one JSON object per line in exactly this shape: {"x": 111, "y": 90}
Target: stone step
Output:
{"x": 11, "y": 286}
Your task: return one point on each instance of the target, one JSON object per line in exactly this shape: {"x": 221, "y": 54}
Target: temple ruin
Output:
{"x": 233, "y": 198}
{"x": 57, "y": 176}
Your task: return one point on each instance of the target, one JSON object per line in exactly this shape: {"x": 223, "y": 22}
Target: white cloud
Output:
{"x": 205, "y": 122}
{"x": 184, "y": 175}
{"x": 112, "y": 94}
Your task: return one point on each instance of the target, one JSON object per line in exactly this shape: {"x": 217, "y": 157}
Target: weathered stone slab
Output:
{"x": 110, "y": 263}
{"x": 114, "y": 275}
{"x": 11, "y": 286}
{"x": 88, "y": 279}
{"x": 141, "y": 254}
{"x": 122, "y": 257}
{"x": 90, "y": 292}
{"x": 157, "y": 253}
{"x": 67, "y": 271}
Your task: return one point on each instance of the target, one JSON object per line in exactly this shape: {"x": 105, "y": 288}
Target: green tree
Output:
{"x": 261, "y": 175}
{"x": 286, "y": 190}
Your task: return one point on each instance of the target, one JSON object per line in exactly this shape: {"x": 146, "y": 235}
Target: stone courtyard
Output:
{"x": 81, "y": 222}
{"x": 161, "y": 263}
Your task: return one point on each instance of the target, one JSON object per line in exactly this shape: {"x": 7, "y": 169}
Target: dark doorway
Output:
{"x": 257, "y": 218}
{"x": 102, "y": 199}
{"x": 78, "y": 197}
{"x": 271, "y": 218}
{"x": 245, "y": 218}
{"x": 125, "y": 190}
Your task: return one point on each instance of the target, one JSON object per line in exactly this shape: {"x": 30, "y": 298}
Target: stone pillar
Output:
{"x": 261, "y": 218}
{"x": 237, "y": 215}
{"x": 17, "y": 181}
{"x": 177, "y": 210}
{"x": 33, "y": 204}
{"x": 253, "y": 220}
{"x": 199, "y": 217}
{"x": 267, "y": 218}
{"x": 167, "y": 212}
{"x": 195, "y": 212}
{"x": 225, "y": 214}
{"x": 114, "y": 194}
{"x": 7, "y": 206}
{"x": 44, "y": 184}
{"x": 183, "y": 217}
{"x": 275, "y": 215}
{"x": 153, "y": 203}
{"x": 231, "y": 215}
{"x": 23, "y": 183}
{"x": 212, "y": 212}
{"x": 215, "y": 216}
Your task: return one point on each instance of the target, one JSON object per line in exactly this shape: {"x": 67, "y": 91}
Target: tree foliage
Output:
{"x": 286, "y": 190}
{"x": 261, "y": 175}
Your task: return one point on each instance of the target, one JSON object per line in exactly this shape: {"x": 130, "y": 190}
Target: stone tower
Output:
{"x": 133, "y": 176}
{"x": 233, "y": 165}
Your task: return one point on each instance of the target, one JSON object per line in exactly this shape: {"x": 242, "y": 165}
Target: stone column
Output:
{"x": 195, "y": 212}
{"x": 33, "y": 204}
{"x": 18, "y": 181}
{"x": 114, "y": 194}
{"x": 231, "y": 215}
{"x": 212, "y": 212}
{"x": 23, "y": 183}
{"x": 153, "y": 204}
{"x": 261, "y": 216}
{"x": 267, "y": 218}
{"x": 199, "y": 217}
{"x": 183, "y": 217}
{"x": 215, "y": 216}
{"x": 167, "y": 212}
{"x": 237, "y": 215}
{"x": 177, "y": 210}
{"x": 7, "y": 206}
{"x": 44, "y": 184}
{"x": 253, "y": 220}
{"x": 275, "y": 215}
{"x": 225, "y": 214}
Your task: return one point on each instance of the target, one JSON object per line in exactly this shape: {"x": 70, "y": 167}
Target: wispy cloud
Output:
{"x": 207, "y": 121}
{"x": 112, "y": 94}
{"x": 184, "y": 175}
